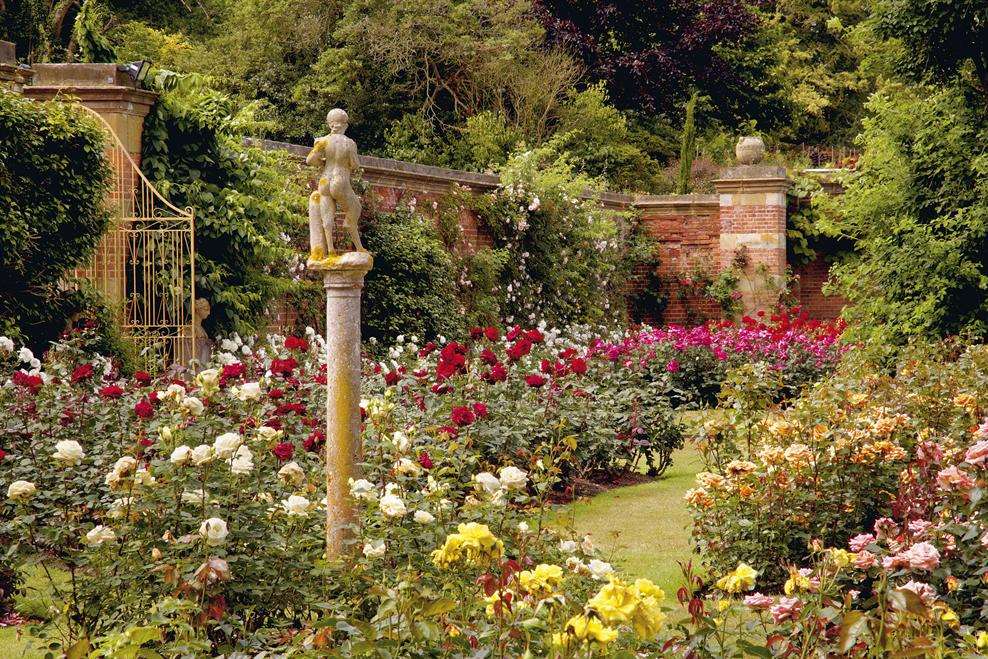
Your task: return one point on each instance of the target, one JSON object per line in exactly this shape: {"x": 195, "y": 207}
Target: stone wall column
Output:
{"x": 117, "y": 99}
{"x": 13, "y": 76}
{"x": 753, "y": 230}
{"x": 343, "y": 279}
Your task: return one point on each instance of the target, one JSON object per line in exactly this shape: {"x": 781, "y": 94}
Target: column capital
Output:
{"x": 745, "y": 179}
{"x": 343, "y": 271}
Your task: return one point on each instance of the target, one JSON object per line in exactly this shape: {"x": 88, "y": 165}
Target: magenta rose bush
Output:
{"x": 693, "y": 362}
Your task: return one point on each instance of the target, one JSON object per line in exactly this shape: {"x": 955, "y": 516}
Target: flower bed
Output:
{"x": 694, "y": 361}
{"x": 863, "y": 505}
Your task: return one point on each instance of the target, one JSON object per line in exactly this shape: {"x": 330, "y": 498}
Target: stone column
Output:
{"x": 116, "y": 98}
{"x": 753, "y": 230}
{"x": 343, "y": 278}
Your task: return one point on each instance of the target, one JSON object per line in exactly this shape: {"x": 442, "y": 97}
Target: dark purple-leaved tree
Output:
{"x": 652, "y": 53}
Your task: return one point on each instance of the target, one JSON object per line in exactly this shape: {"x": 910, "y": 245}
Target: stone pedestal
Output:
{"x": 753, "y": 230}
{"x": 343, "y": 278}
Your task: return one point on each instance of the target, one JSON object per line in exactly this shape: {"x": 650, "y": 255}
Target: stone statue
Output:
{"x": 336, "y": 154}
{"x": 203, "y": 345}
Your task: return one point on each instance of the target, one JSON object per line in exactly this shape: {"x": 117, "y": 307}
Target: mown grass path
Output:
{"x": 644, "y": 529}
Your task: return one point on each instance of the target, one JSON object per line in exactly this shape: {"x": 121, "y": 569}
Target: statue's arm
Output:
{"x": 354, "y": 160}
{"x": 318, "y": 154}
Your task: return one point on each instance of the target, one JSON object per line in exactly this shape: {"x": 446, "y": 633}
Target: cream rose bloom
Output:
{"x": 242, "y": 461}
{"x": 249, "y": 391}
{"x": 69, "y": 452}
{"x": 202, "y": 454}
{"x": 182, "y": 455}
{"x": 21, "y": 490}
{"x": 296, "y": 506}
{"x": 192, "y": 406}
{"x": 362, "y": 489}
{"x": 407, "y": 467}
{"x": 488, "y": 482}
{"x": 99, "y": 535}
{"x": 269, "y": 434}
{"x": 213, "y": 531}
{"x": 401, "y": 441}
{"x": 6, "y": 345}
{"x": 513, "y": 478}
{"x": 375, "y": 549}
{"x": 291, "y": 473}
{"x": 226, "y": 445}
{"x": 125, "y": 465}
{"x": 599, "y": 569}
{"x": 423, "y": 517}
{"x": 393, "y": 506}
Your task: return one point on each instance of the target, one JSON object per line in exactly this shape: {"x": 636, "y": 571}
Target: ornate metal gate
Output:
{"x": 145, "y": 264}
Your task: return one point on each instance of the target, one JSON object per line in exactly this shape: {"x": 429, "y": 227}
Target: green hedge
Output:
{"x": 53, "y": 182}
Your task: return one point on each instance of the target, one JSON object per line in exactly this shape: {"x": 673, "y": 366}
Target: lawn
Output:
{"x": 644, "y": 528}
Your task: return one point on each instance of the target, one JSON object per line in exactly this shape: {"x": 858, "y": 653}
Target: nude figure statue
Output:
{"x": 336, "y": 154}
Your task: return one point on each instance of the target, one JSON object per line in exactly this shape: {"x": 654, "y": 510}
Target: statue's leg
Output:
{"x": 317, "y": 238}
{"x": 352, "y": 218}
{"x": 327, "y": 206}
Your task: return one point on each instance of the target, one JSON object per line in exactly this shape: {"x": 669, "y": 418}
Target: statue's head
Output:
{"x": 337, "y": 121}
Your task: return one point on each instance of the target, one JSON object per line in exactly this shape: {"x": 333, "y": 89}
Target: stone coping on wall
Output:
{"x": 429, "y": 178}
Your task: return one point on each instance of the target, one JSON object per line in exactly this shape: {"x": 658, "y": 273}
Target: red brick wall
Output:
{"x": 809, "y": 290}
{"x": 387, "y": 199}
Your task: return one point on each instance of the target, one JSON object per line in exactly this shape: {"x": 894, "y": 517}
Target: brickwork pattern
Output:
{"x": 809, "y": 290}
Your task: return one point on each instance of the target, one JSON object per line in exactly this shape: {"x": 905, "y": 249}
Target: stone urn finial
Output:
{"x": 750, "y": 150}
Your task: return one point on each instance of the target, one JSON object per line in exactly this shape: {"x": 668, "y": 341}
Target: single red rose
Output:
{"x": 480, "y": 409}
{"x": 377, "y": 368}
{"x": 488, "y": 357}
{"x": 143, "y": 377}
{"x": 421, "y": 373}
{"x": 545, "y": 366}
{"x": 476, "y": 332}
{"x": 391, "y": 378}
{"x": 275, "y": 394}
{"x": 442, "y": 388}
{"x": 284, "y": 451}
{"x": 82, "y": 372}
{"x": 513, "y": 333}
{"x": 497, "y": 374}
{"x": 492, "y": 333}
{"x": 314, "y": 441}
{"x": 31, "y": 382}
{"x": 288, "y": 408}
{"x": 425, "y": 460}
{"x": 111, "y": 391}
{"x": 519, "y": 350}
{"x": 462, "y": 416}
{"x": 427, "y": 349}
{"x": 153, "y": 397}
{"x": 144, "y": 409}
{"x": 145, "y": 442}
{"x": 234, "y": 370}
{"x": 295, "y": 343}
{"x": 534, "y": 380}
{"x": 283, "y": 366}
{"x": 320, "y": 379}
{"x": 567, "y": 353}
{"x": 68, "y": 416}
{"x": 534, "y": 336}
{"x": 273, "y": 423}
{"x": 449, "y": 431}
{"x": 578, "y": 365}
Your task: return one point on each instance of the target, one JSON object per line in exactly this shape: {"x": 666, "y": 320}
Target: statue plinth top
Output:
{"x": 342, "y": 261}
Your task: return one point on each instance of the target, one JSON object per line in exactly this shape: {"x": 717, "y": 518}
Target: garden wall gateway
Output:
{"x": 743, "y": 224}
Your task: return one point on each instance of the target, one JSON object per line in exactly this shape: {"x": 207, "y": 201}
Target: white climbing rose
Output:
{"x": 291, "y": 473}
{"x": 213, "y": 531}
{"x": 243, "y": 461}
{"x": 375, "y": 548}
{"x": 69, "y": 452}
{"x": 362, "y": 489}
{"x": 192, "y": 406}
{"x": 599, "y": 569}
{"x": 249, "y": 391}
